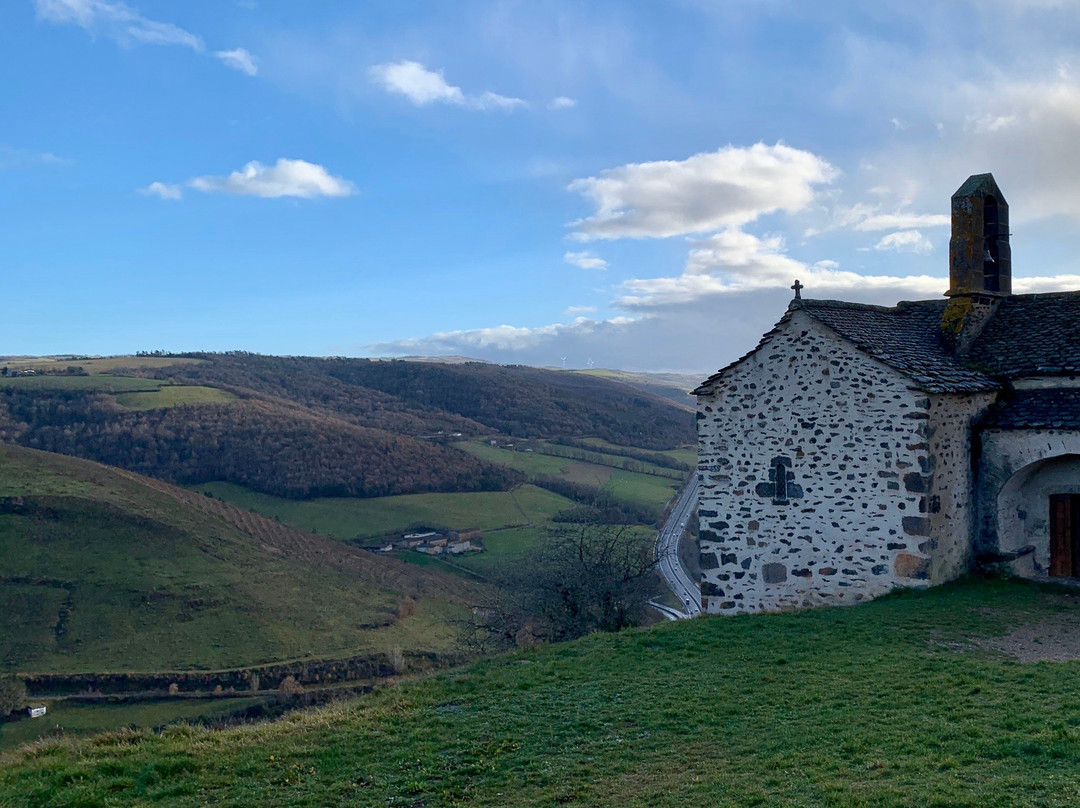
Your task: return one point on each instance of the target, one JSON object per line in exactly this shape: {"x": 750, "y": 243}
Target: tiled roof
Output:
{"x": 906, "y": 338}
{"x": 1027, "y": 335}
{"x": 1036, "y": 409}
{"x": 1031, "y": 335}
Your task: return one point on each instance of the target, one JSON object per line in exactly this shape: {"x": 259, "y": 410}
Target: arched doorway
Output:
{"x": 1039, "y": 515}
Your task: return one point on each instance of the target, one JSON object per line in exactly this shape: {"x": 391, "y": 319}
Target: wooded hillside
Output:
{"x": 304, "y": 427}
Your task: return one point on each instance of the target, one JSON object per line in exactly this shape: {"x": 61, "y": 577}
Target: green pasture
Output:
{"x": 347, "y": 518}
{"x": 100, "y": 572}
{"x": 899, "y": 702}
{"x": 685, "y": 455}
{"x": 173, "y": 396}
{"x": 96, "y": 365}
{"x": 72, "y": 719}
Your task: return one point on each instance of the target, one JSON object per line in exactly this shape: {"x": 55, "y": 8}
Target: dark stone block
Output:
{"x": 729, "y": 558}
{"x": 773, "y": 573}
{"x": 879, "y": 569}
{"x": 802, "y": 573}
{"x": 708, "y": 561}
{"x": 916, "y": 525}
{"x": 707, "y": 513}
{"x": 708, "y": 588}
{"x": 917, "y": 483}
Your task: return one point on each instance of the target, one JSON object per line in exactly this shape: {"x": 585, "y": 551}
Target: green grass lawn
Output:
{"x": 173, "y": 396}
{"x": 892, "y": 703}
{"x": 73, "y": 719}
{"x": 347, "y": 518}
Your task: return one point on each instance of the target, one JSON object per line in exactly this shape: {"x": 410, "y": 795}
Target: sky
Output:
{"x": 621, "y": 184}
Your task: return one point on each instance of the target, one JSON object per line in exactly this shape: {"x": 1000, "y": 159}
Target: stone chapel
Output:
{"x": 861, "y": 448}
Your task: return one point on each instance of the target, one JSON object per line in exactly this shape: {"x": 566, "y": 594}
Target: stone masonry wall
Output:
{"x": 814, "y": 460}
{"x": 948, "y": 504}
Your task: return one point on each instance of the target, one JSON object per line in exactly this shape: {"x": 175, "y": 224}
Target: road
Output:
{"x": 667, "y": 550}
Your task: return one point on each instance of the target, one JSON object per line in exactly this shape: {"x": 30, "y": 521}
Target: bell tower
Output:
{"x": 980, "y": 260}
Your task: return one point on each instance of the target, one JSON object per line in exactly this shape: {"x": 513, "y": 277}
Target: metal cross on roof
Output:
{"x": 798, "y": 287}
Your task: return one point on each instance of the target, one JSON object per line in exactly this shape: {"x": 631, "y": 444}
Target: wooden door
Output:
{"x": 1065, "y": 535}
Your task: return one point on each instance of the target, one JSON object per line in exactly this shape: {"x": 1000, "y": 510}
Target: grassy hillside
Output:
{"x": 102, "y": 570}
{"x": 907, "y": 701}
{"x": 350, "y": 518}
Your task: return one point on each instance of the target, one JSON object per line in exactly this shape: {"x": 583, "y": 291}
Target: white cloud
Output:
{"x": 285, "y": 178}
{"x": 579, "y": 310}
{"x": 562, "y": 102}
{"x": 21, "y": 158}
{"x": 163, "y": 190}
{"x": 238, "y": 59}
{"x": 728, "y": 187}
{"x": 116, "y": 21}
{"x": 905, "y": 241}
{"x": 736, "y": 262}
{"x": 422, "y": 87}
{"x": 585, "y": 260}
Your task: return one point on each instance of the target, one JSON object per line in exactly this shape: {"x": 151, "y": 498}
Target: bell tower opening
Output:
{"x": 980, "y": 259}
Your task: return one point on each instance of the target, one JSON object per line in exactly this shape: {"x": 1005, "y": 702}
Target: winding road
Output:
{"x": 667, "y": 552}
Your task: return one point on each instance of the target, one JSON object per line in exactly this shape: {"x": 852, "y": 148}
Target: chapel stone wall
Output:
{"x": 947, "y": 481}
{"x": 809, "y": 452}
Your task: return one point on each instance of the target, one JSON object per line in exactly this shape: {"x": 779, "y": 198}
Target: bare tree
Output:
{"x": 581, "y": 578}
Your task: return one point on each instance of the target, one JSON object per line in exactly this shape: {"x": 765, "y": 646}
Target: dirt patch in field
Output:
{"x": 1054, "y": 639}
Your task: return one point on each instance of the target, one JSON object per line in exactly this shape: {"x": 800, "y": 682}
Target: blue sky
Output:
{"x": 634, "y": 184}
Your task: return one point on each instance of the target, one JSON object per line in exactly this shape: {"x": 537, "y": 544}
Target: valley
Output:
{"x": 120, "y": 586}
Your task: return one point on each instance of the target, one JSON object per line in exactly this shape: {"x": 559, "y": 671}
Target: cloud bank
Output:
{"x": 293, "y": 178}
{"x": 732, "y": 186}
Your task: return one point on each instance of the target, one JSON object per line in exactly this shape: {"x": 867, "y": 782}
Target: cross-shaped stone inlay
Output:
{"x": 781, "y": 486}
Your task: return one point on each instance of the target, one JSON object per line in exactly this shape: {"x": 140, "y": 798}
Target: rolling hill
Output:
{"x": 301, "y": 427}
{"x": 105, "y": 570}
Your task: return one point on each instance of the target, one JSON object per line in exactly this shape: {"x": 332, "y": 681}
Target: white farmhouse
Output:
{"x": 861, "y": 448}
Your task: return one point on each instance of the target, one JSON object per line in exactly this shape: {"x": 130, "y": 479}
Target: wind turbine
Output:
{"x": 590, "y": 363}
{"x": 564, "y": 361}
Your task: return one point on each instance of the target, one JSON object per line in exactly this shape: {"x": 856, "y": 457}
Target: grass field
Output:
{"x": 106, "y": 571}
{"x": 73, "y": 719}
{"x": 642, "y": 489}
{"x": 686, "y": 456}
{"x": 347, "y": 518}
{"x": 95, "y": 365}
{"x": 900, "y": 702}
{"x": 173, "y": 396}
